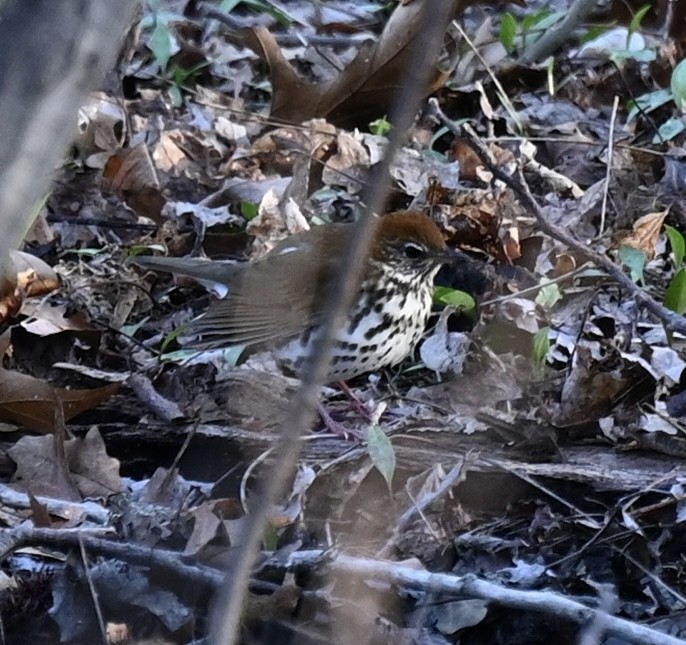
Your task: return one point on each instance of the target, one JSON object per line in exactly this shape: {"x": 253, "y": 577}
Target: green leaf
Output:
{"x": 676, "y": 241}
{"x": 593, "y": 33}
{"x": 176, "y": 96}
{"x": 270, "y": 539}
{"x": 675, "y": 297}
{"x": 137, "y": 249}
{"x": 669, "y": 129}
{"x": 634, "y": 260}
{"x": 380, "y": 127}
{"x": 227, "y": 6}
{"x": 229, "y": 356}
{"x": 508, "y": 31}
{"x": 548, "y": 296}
{"x": 249, "y": 210}
{"x": 548, "y": 21}
{"x": 618, "y": 56}
{"x": 181, "y": 74}
{"x": 130, "y": 330}
{"x": 540, "y": 346}
{"x": 440, "y": 132}
{"x": 381, "y": 453}
{"x": 454, "y": 298}
{"x": 647, "y": 103}
{"x": 172, "y": 335}
{"x": 161, "y": 44}
{"x": 260, "y": 6}
{"x": 678, "y": 84}
{"x": 638, "y": 18}
{"x": 89, "y": 253}
{"x": 529, "y": 21}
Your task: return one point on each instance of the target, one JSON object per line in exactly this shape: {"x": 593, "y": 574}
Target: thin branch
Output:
{"x": 470, "y": 586}
{"x": 74, "y": 511}
{"x": 93, "y": 592}
{"x": 608, "y": 170}
{"x": 554, "y": 38}
{"x": 228, "y": 606}
{"x": 169, "y": 561}
{"x": 377, "y": 570}
{"x": 670, "y": 319}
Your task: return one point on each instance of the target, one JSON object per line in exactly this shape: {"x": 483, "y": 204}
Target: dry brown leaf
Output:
{"x": 131, "y": 175}
{"x": 39, "y": 513}
{"x": 31, "y": 402}
{"x": 645, "y": 234}
{"x": 204, "y": 528}
{"x": 368, "y": 86}
{"x": 92, "y": 470}
{"x": 168, "y": 154}
{"x": 26, "y": 275}
{"x": 474, "y": 220}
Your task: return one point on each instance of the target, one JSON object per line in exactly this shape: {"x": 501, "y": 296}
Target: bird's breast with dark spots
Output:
{"x": 385, "y": 324}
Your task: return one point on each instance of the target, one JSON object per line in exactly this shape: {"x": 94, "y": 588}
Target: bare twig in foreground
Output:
{"x": 229, "y": 603}
{"x": 49, "y": 59}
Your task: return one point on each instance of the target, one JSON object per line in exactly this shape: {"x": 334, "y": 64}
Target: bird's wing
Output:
{"x": 271, "y": 301}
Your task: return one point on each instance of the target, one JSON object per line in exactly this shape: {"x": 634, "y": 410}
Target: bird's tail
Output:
{"x": 198, "y": 268}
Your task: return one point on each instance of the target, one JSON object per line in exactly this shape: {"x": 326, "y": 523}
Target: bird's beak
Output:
{"x": 452, "y": 256}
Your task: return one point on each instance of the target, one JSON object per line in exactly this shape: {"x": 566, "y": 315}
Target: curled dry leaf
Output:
{"x": 443, "y": 350}
{"x": 26, "y": 275}
{"x": 44, "y": 319}
{"x": 274, "y": 222}
{"x": 131, "y": 175}
{"x": 645, "y": 234}
{"x": 92, "y": 470}
{"x": 102, "y": 129}
{"x": 365, "y": 89}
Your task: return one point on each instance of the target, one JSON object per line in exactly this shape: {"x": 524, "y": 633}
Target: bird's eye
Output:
{"x": 413, "y": 251}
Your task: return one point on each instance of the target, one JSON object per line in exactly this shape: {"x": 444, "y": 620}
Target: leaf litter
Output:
{"x": 538, "y": 443}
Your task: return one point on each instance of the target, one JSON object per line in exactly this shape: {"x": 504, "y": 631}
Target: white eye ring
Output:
{"x": 413, "y": 251}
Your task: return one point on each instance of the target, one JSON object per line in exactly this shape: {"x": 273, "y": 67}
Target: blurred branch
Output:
{"x": 51, "y": 55}
{"x": 426, "y": 48}
{"x": 554, "y": 38}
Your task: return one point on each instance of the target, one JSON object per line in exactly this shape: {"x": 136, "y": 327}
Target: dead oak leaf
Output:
{"x": 31, "y": 402}
{"x": 365, "y": 89}
{"x": 131, "y": 175}
{"x": 92, "y": 470}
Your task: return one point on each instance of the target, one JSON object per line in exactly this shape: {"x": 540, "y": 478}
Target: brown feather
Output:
{"x": 281, "y": 295}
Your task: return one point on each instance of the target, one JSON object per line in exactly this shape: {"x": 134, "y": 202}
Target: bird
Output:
{"x": 278, "y": 301}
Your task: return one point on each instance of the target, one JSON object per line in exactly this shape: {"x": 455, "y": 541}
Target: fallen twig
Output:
{"x": 74, "y": 511}
{"x": 520, "y": 187}
{"x": 472, "y": 587}
{"x": 380, "y": 570}
{"x": 169, "y": 561}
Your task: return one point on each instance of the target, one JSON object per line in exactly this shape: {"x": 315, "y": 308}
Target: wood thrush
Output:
{"x": 277, "y": 301}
